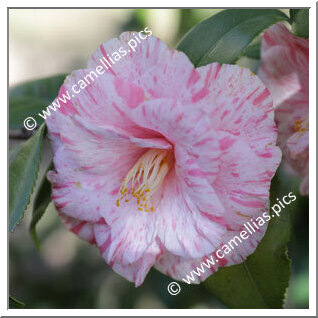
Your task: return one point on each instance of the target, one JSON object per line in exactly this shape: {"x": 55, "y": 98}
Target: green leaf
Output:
{"x": 292, "y": 14}
{"x": 300, "y": 22}
{"x": 261, "y": 281}
{"x": 13, "y": 153}
{"x": 41, "y": 201}
{"x": 253, "y": 51}
{"x": 22, "y": 107}
{"x": 14, "y": 303}
{"x": 29, "y": 99}
{"x": 46, "y": 88}
{"x": 225, "y": 36}
{"x": 23, "y": 170}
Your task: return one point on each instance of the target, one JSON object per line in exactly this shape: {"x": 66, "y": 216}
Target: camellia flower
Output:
{"x": 158, "y": 163}
{"x": 285, "y": 71}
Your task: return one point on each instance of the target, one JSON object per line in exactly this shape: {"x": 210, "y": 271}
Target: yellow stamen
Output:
{"x": 145, "y": 178}
{"x": 302, "y": 125}
{"x": 241, "y": 214}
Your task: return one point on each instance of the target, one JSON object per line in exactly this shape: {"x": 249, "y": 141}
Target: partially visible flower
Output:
{"x": 285, "y": 71}
{"x": 158, "y": 163}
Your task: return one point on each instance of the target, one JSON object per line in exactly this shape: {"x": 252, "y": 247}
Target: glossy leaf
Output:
{"x": 41, "y": 201}
{"x": 14, "y": 303}
{"x": 262, "y": 280}
{"x": 225, "y": 36}
{"x": 30, "y": 98}
{"x": 300, "y": 22}
{"x": 23, "y": 170}
{"x": 292, "y": 14}
{"x": 253, "y": 51}
{"x": 46, "y": 88}
{"x": 22, "y": 107}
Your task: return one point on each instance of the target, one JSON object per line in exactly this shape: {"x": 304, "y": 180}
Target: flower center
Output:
{"x": 302, "y": 125}
{"x": 144, "y": 179}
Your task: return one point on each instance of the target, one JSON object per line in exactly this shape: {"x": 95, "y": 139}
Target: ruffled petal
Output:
{"x": 244, "y": 179}
{"x": 75, "y": 192}
{"x": 298, "y": 144}
{"x": 99, "y": 150}
{"x": 183, "y": 230}
{"x": 194, "y": 271}
{"x": 82, "y": 229}
{"x": 100, "y": 96}
{"x": 186, "y": 128}
{"x": 285, "y": 71}
{"x": 284, "y": 64}
{"x": 238, "y": 102}
{"x": 152, "y": 66}
{"x": 134, "y": 271}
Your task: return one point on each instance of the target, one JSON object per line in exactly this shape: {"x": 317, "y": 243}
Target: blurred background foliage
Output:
{"x": 67, "y": 272}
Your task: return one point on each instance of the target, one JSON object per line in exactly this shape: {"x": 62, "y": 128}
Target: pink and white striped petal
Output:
{"x": 153, "y": 65}
{"x": 134, "y": 271}
{"x": 285, "y": 70}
